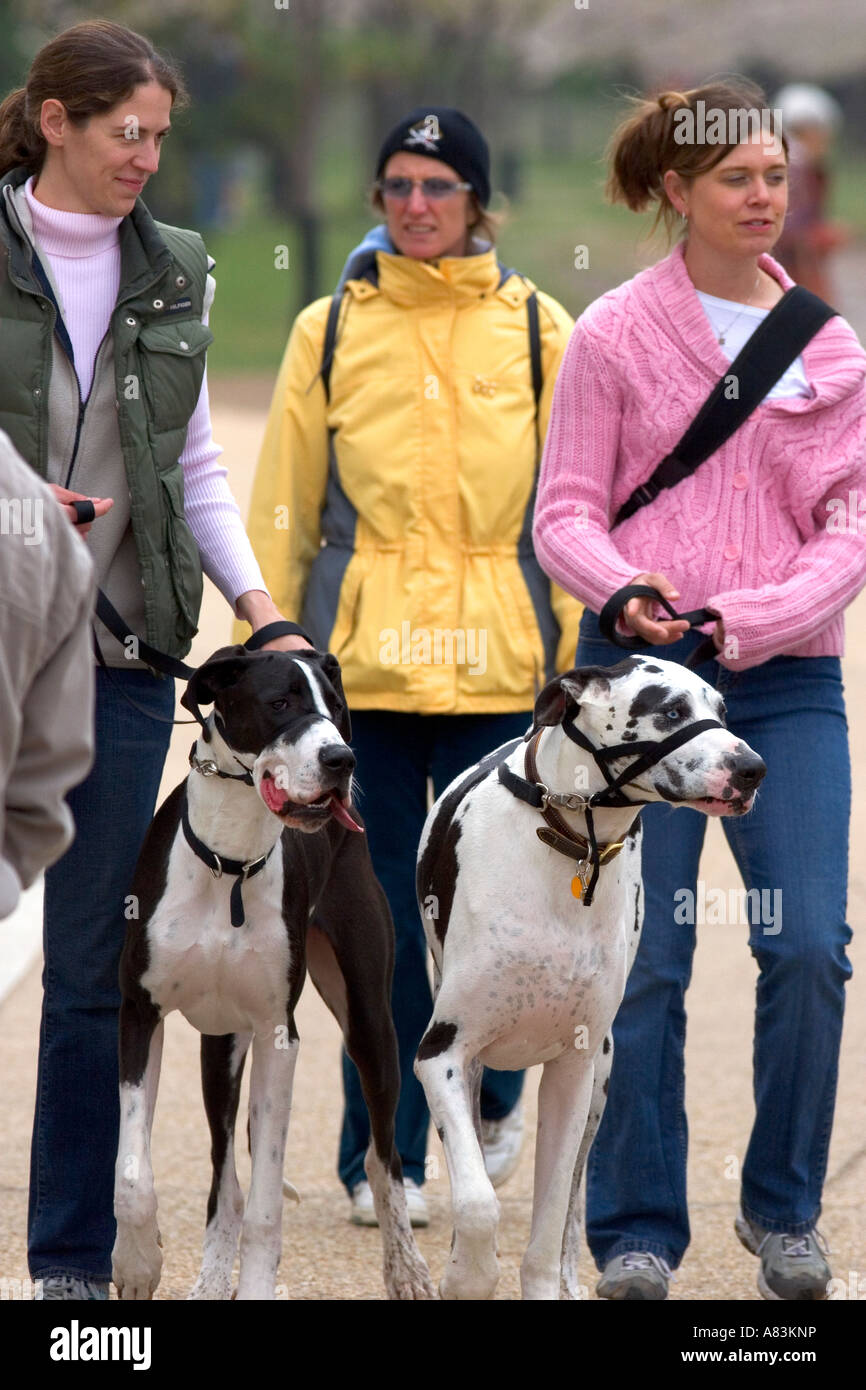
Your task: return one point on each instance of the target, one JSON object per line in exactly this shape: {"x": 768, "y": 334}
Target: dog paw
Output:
{"x": 411, "y": 1282}
{"x": 211, "y": 1288}
{"x": 136, "y": 1262}
{"x": 475, "y": 1282}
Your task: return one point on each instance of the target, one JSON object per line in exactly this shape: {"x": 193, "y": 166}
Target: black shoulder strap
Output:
{"x": 330, "y": 341}
{"x": 534, "y": 332}
{"x": 535, "y": 347}
{"x": 766, "y": 356}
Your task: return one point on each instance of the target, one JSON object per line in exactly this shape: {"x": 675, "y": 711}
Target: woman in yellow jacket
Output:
{"x": 392, "y": 509}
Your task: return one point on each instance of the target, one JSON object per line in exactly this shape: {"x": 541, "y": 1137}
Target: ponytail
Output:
{"x": 20, "y": 141}
{"x": 645, "y": 145}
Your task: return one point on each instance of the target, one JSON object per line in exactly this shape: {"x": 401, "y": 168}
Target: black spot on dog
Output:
{"x": 441, "y": 1132}
{"x": 607, "y": 728}
{"x": 637, "y": 907}
{"x": 648, "y": 700}
{"x": 437, "y": 1039}
{"x": 656, "y": 670}
{"x": 675, "y": 777}
{"x": 606, "y": 1086}
{"x": 449, "y": 1073}
{"x": 605, "y": 1047}
{"x": 632, "y": 833}
{"x": 629, "y": 735}
{"x": 437, "y": 869}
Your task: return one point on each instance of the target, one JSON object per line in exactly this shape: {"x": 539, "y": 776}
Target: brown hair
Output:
{"x": 644, "y": 146}
{"x": 89, "y": 68}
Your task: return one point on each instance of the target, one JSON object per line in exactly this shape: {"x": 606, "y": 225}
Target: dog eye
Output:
{"x": 279, "y": 704}
{"x": 676, "y": 712}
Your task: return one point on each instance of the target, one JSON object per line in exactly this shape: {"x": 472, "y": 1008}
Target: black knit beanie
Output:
{"x": 446, "y": 134}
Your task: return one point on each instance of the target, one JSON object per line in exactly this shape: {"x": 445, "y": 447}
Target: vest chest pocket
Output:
{"x": 172, "y": 362}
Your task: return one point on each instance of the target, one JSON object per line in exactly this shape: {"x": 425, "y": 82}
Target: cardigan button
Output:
{"x": 739, "y": 481}
{"x": 159, "y": 304}
{"x": 180, "y": 281}
{"x": 131, "y": 321}
{"x": 732, "y": 552}
{"x": 184, "y": 346}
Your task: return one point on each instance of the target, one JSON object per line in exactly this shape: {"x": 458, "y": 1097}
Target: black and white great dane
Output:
{"x": 253, "y": 873}
{"x": 529, "y": 883}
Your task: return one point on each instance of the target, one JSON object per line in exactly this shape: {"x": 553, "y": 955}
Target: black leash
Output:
{"x": 707, "y": 650}
{"x": 168, "y": 665}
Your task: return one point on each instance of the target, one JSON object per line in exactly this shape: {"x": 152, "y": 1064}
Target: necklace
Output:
{"x": 725, "y": 331}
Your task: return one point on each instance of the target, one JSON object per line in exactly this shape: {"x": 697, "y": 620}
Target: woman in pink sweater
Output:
{"x": 763, "y": 534}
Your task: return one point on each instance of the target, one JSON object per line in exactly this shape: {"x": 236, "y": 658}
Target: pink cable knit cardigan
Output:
{"x": 747, "y": 534}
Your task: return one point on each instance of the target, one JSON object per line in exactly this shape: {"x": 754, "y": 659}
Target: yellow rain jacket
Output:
{"x": 393, "y": 520}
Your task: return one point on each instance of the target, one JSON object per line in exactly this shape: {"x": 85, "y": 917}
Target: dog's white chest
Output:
{"x": 223, "y": 979}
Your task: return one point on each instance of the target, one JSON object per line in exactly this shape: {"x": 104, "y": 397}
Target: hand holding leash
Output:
{"x": 637, "y": 613}
{"x": 81, "y": 509}
{"x": 646, "y": 629}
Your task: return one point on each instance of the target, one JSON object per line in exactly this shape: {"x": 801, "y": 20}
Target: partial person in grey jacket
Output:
{"x": 46, "y": 674}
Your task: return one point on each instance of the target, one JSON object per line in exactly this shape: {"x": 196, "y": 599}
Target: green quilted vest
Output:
{"x": 159, "y": 354}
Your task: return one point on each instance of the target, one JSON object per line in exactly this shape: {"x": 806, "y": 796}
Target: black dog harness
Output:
{"x": 558, "y": 835}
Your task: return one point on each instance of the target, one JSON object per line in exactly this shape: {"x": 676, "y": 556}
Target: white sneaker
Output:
{"x": 416, "y": 1204}
{"x": 364, "y": 1212}
{"x": 501, "y": 1142}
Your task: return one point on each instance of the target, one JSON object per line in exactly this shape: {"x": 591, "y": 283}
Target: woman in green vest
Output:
{"x": 103, "y": 391}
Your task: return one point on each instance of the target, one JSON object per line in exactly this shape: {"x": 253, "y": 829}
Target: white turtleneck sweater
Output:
{"x": 81, "y": 253}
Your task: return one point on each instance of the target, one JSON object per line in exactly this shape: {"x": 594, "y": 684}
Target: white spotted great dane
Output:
{"x": 252, "y": 873}
{"x": 529, "y": 884}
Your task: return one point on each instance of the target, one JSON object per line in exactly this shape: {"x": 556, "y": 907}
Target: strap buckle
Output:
{"x": 218, "y": 871}
{"x": 206, "y": 766}
{"x": 251, "y": 866}
{"x": 571, "y": 801}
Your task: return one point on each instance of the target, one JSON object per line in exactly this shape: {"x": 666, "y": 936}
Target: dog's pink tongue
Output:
{"x": 342, "y": 815}
{"x": 272, "y": 796}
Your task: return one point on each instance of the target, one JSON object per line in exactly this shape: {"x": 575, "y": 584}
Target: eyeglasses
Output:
{"x": 399, "y": 188}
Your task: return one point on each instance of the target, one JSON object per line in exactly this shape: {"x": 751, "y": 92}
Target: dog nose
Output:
{"x": 336, "y": 757}
{"x": 747, "y": 772}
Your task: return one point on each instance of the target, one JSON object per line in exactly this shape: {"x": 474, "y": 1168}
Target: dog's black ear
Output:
{"x": 331, "y": 668}
{"x": 218, "y": 672}
{"x": 561, "y": 692}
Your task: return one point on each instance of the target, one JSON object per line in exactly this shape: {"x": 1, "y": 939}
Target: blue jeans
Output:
{"x": 396, "y": 753}
{"x": 71, "y": 1222}
{"x": 791, "y": 711}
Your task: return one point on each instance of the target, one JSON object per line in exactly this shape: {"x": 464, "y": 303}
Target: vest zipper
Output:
{"x": 82, "y": 405}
